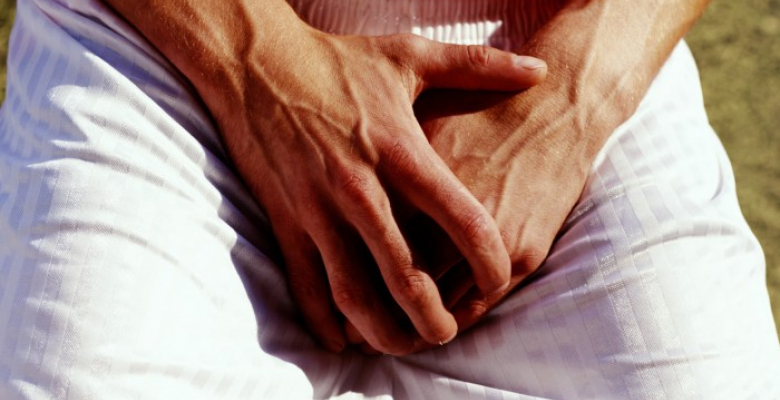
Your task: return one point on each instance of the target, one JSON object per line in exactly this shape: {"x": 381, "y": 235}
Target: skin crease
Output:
{"x": 325, "y": 144}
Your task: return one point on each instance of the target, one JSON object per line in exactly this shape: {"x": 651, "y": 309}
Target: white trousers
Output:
{"x": 132, "y": 257}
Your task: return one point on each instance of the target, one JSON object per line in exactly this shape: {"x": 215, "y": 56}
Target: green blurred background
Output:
{"x": 737, "y": 46}
{"x": 738, "y": 49}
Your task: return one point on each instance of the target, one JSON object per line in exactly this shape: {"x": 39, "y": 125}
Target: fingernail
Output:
{"x": 498, "y": 291}
{"x": 451, "y": 338}
{"x": 529, "y": 63}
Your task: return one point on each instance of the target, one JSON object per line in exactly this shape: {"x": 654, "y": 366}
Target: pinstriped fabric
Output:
{"x": 118, "y": 250}
{"x": 654, "y": 290}
{"x": 504, "y": 24}
{"x": 132, "y": 259}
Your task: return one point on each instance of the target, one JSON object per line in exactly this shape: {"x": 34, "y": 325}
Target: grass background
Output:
{"x": 737, "y": 45}
{"x": 7, "y": 8}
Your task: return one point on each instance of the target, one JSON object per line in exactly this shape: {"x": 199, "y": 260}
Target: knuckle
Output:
{"x": 405, "y": 52}
{"x": 476, "y": 227}
{"x": 347, "y": 300}
{"x": 398, "y": 155}
{"x": 478, "y": 56}
{"x": 411, "y": 288}
{"x": 477, "y": 309}
{"x": 353, "y": 186}
{"x": 414, "y": 45}
{"x": 401, "y": 49}
{"x": 529, "y": 259}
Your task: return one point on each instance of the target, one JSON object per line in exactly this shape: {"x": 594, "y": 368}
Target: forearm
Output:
{"x": 533, "y": 152}
{"x": 603, "y": 55}
{"x": 322, "y": 141}
{"x": 210, "y": 41}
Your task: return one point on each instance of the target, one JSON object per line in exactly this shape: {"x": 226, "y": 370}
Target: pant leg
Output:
{"x": 133, "y": 264}
{"x": 654, "y": 290}
{"x": 132, "y": 258}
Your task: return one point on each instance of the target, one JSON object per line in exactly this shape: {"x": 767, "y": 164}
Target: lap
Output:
{"x": 134, "y": 261}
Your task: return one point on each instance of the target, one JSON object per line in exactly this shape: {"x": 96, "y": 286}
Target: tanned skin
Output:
{"x": 327, "y": 156}
{"x": 322, "y": 129}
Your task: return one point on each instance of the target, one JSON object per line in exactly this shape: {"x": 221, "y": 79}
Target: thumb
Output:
{"x": 440, "y": 65}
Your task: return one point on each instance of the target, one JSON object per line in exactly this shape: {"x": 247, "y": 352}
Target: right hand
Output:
{"x": 324, "y": 134}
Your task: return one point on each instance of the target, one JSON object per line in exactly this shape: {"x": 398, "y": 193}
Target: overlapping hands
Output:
{"x": 396, "y": 231}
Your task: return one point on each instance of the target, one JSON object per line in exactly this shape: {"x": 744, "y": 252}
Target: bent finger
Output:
{"x": 455, "y": 283}
{"x": 439, "y": 194}
{"x": 410, "y": 286}
{"x": 473, "y": 306}
{"x": 309, "y": 286}
{"x": 356, "y": 294}
{"x": 353, "y": 334}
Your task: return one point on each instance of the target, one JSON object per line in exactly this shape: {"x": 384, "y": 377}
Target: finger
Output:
{"x": 455, "y": 284}
{"x": 355, "y": 291}
{"x": 473, "y": 67}
{"x": 366, "y": 349}
{"x": 367, "y": 205}
{"x": 474, "y": 306}
{"x": 438, "y": 193}
{"x": 353, "y": 335}
{"x": 467, "y": 303}
{"x": 309, "y": 286}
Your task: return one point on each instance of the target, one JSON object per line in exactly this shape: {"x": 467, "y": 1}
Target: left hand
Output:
{"x": 526, "y": 158}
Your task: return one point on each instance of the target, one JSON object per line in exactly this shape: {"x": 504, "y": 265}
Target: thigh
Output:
{"x": 655, "y": 287}
{"x": 132, "y": 260}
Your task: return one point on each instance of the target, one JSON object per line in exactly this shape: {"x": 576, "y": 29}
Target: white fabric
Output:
{"x": 132, "y": 258}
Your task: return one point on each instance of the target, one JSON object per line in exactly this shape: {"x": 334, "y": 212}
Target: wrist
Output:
{"x": 229, "y": 73}
{"x": 601, "y": 57}
{"x": 211, "y": 41}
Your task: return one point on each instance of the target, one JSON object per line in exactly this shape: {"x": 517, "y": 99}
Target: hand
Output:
{"x": 519, "y": 155}
{"x": 326, "y": 134}
{"x": 523, "y": 157}
{"x": 526, "y": 157}
{"x": 321, "y": 128}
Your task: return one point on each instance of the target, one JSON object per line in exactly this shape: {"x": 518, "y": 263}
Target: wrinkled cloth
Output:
{"x": 133, "y": 261}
